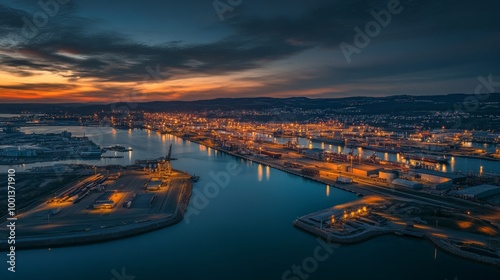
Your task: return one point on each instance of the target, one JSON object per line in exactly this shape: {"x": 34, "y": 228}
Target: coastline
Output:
{"x": 125, "y": 231}
{"x": 108, "y": 234}
{"x": 441, "y": 244}
{"x": 358, "y": 238}
{"x": 266, "y": 163}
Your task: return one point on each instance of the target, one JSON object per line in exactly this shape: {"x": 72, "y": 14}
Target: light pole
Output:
{"x": 351, "y": 164}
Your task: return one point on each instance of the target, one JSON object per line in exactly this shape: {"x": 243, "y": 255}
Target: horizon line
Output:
{"x": 243, "y": 97}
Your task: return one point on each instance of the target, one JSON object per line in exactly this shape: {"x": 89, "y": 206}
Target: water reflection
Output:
{"x": 268, "y": 173}
{"x": 259, "y": 172}
{"x": 327, "y": 190}
{"x": 144, "y": 147}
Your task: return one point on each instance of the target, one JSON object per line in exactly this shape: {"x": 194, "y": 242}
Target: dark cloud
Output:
{"x": 436, "y": 42}
{"x": 111, "y": 56}
{"x": 38, "y": 86}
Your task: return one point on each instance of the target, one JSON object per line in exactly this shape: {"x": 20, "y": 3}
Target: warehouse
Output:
{"x": 388, "y": 175}
{"x": 154, "y": 185}
{"x": 437, "y": 177}
{"x": 105, "y": 200}
{"x": 314, "y": 153}
{"x": 407, "y": 183}
{"x": 20, "y": 151}
{"x": 365, "y": 170}
{"x": 479, "y": 192}
{"x": 438, "y": 180}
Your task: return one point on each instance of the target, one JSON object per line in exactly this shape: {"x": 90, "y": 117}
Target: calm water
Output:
{"x": 244, "y": 232}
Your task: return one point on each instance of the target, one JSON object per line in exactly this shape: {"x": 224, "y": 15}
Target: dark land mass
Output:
{"x": 373, "y": 105}
{"x": 471, "y": 109}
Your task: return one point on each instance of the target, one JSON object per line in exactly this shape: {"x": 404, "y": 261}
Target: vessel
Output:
{"x": 118, "y": 148}
{"x": 430, "y": 159}
{"x": 195, "y": 178}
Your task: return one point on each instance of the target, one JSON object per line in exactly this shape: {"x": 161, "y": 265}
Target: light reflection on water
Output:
{"x": 244, "y": 233}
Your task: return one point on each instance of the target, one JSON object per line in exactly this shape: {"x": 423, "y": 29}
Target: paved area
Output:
{"x": 69, "y": 217}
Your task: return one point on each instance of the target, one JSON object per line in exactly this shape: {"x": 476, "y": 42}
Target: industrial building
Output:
{"x": 314, "y": 153}
{"x": 21, "y": 151}
{"x": 366, "y": 170}
{"x": 154, "y": 185}
{"x": 105, "y": 200}
{"x": 438, "y": 180}
{"x": 480, "y": 192}
{"x": 388, "y": 175}
{"x": 271, "y": 154}
{"x": 407, "y": 183}
{"x": 330, "y": 217}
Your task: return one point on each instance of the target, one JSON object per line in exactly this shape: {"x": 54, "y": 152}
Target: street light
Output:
{"x": 351, "y": 164}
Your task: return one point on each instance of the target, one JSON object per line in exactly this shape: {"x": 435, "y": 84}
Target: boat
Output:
{"x": 391, "y": 163}
{"x": 382, "y": 149}
{"x": 336, "y": 157}
{"x": 195, "y": 178}
{"x": 118, "y": 148}
{"x": 430, "y": 159}
{"x": 329, "y": 141}
{"x": 90, "y": 154}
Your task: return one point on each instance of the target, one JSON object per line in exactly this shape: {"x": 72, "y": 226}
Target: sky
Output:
{"x": 118, "y": 51}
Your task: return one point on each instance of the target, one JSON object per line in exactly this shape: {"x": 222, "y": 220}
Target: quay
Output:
{"x": 105, "y": 207}
{"x": 459, "y": 234}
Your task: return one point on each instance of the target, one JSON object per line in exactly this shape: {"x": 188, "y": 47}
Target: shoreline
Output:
{"x": 108, "y": 234}
{"x": 366, "y": 236}
{"x": 151, "y": 225}
{"x": 361, "y": 237}
{"x": 265, "y": 163}
{"x": 445, "y": 244}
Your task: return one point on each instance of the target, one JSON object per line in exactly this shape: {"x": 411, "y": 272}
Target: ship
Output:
{"x": 429, "y": 159}
{"x": 329, "y": 141}
{"x": 118, "y": 148}
{"x": 382, "y": 149}
{"x": 336, "y": 157}
{"x": 195, "y": 178}
{"x": 90, "y": 154}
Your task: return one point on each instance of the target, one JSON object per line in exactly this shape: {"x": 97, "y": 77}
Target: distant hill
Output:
{"x": 364, "y": 105}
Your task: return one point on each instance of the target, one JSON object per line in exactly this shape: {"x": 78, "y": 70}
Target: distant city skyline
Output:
{"x": 93, "y": 51}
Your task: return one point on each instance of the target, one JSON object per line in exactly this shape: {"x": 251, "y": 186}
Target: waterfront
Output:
{"x": 242, "y": 233}
{"x": 105, "y": 136}
{"x": 456, "y": 164}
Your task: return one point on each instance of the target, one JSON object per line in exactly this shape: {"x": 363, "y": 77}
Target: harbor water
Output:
{"x": 242, "y": 231}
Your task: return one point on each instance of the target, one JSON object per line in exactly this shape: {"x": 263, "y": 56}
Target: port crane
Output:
{"x": 164, "y": 167}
